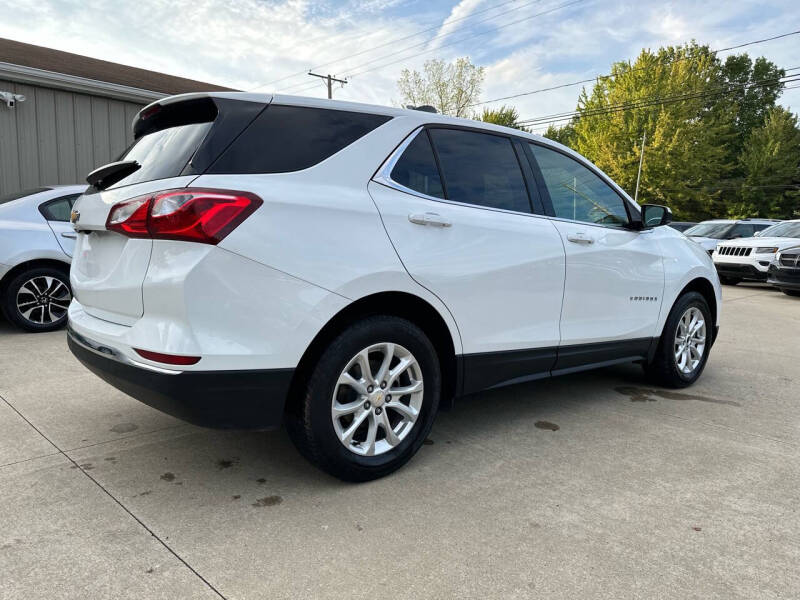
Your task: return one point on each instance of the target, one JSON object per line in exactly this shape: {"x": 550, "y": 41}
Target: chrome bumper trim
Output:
{"x": 113, "y": 353}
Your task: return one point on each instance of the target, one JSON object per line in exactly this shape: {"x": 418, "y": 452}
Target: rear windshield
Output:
{"x": 22, "y": 194}
{"x": 164, "y": 153}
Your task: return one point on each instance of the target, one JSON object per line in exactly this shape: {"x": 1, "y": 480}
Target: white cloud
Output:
{"x": 243, "y": 43}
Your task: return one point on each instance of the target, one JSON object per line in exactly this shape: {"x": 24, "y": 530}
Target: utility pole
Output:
{"x": 639, "y": 176}
{"x": 329, "y": 79}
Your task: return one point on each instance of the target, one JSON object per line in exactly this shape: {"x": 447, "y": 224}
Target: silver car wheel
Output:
{"x": 377, "y": 399}
{"x": 43, "y": 300}
{"x": 690, "y": 340}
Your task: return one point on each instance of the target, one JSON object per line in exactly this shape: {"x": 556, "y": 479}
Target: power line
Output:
{"x": 550, "y": 10}
{"x": 654, "y": 100}
{"x": 394, "y": 41}
{"x": 633, "y": 69}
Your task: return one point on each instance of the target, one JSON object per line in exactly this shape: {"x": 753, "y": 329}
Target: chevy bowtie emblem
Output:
{"x": 74, "y": 216}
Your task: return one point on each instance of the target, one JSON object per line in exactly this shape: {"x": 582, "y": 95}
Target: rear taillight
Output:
{"x": 194, "y": 215}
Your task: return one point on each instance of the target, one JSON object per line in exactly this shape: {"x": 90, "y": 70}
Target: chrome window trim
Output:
{"x": 383, "y": 177}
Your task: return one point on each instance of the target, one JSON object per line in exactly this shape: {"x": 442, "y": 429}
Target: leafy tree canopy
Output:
{"x": 505, "y": 115}
{"x": 449, "y": 87}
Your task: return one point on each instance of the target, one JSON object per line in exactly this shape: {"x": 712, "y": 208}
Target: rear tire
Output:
{"x": 339, "y": 422}
{"x": 724, "y": 280}
{"x": 676, "y": 363}
{"x": 791, "y": 292}
{"x": 37, "y": 299}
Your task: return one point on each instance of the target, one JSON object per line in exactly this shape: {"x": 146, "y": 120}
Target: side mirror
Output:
{"x": 655, "y": 215}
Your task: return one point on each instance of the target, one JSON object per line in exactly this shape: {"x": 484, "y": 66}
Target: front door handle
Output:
{"x": 580, "y": 238}
{"x": 69, "y": 235}
{"x": 429, "y": 218}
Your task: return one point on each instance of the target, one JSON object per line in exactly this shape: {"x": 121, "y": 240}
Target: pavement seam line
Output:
{"x": 119, "y": 503}
{"x": 24, "y": 460}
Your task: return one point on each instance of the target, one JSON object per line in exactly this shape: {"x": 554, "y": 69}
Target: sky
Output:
{"x": 524, "y": 45}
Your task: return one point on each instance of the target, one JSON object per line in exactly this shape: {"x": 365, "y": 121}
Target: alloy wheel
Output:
{"x": 43, "y": 300}
{"x": 377, "y": 399}
{"x": 690, "y": 340}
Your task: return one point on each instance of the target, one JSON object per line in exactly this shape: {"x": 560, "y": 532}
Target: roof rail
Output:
{"x": 424, "y": 108}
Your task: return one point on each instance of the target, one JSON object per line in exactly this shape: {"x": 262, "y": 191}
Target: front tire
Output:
{"x": 370, "y": 401}
{"x": 684, "y": 345}
{"x": 37, "y": 299}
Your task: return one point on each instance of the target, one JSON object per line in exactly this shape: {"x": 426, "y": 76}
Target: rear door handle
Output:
{"x": 69, "y": 235}
{"x": 580, "y": 238}
{"x": 429, "y": 218}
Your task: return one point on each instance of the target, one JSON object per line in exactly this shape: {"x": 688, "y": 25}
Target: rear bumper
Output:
{"x": 740, "y": 270}
{"x": 788, "y": 279}
{"x": 252, "y": 399}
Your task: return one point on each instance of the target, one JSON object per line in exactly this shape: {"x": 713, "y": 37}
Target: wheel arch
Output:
{"x": 32, "y": 264}
{"x": 395, "y": 303}
{"x": 705, "y": 288}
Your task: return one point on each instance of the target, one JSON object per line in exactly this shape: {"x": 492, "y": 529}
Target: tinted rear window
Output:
{"x": 164, "y": 153}
{"x": 291, "y": 138}
{"x": 481, "y": 169}
{"x": 22, "y": 194}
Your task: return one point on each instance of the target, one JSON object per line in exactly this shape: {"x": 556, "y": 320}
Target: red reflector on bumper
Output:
{"x": 169, "y": 359}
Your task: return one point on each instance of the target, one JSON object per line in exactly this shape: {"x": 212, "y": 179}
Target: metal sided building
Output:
{"x": 62, "y": 114}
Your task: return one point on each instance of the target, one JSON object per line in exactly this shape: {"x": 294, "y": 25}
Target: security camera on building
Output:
{"x": 11, "y": 99}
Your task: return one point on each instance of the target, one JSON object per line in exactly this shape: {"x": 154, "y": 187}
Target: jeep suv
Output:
{"x": 709, "y": 233}
{"x": 749, "y": 259}
{"x": 350, "y": 269}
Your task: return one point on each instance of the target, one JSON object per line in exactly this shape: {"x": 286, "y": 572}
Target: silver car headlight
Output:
{"x": 770, "y": 250}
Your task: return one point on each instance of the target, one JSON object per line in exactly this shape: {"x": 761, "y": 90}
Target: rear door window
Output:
{"x": 576, "y": 192}
{"x": 417, "y": 168}
{"x": 58, "y": 209}
{"x": 480, "y": 168}
{"x": 290, "y": 138}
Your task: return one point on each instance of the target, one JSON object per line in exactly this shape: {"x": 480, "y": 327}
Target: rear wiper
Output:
{"x": 109, "y": 174}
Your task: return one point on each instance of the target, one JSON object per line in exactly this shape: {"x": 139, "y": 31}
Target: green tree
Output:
{"x": 563, "y": 135}
{"x": 686, "y": 137}
{"x": 697, "y": 112}
{"x": 505, "y": 115}
{"x": 752, "y": 102}
{"x": 771, "y": 165}
{"x": 449, "y": 87}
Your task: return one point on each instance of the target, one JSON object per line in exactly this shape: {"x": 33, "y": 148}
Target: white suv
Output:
{"x": 350, "y": 269}
{"x": 710, "y": 233}
{"x": 750, "y": 258}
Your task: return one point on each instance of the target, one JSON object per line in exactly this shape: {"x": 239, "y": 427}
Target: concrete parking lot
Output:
{"x": 591, "y": 486}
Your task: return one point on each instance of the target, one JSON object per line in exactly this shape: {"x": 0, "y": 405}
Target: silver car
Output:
{"x": 36, "y": 242}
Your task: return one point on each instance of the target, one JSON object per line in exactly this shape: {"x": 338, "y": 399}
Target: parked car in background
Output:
{"x": 347, "y": 268}
{"x": 784, "y": 271}
{"x": 709, "y": 233}
{"x": 36, "y": 244}
{"x": 749, "y": 259}
{"x": 682, "y": 225}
